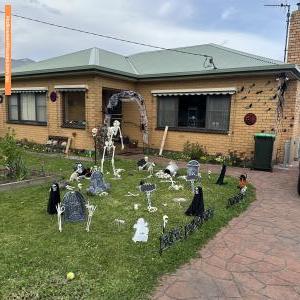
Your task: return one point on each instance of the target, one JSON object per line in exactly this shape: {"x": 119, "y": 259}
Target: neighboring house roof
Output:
{"x": 15, "y": 63}
{"x": 162, "y": 63}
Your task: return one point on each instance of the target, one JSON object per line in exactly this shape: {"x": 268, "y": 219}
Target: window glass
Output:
{"x": 167, "y": 111}
{"x": 41, "y": 108}
{"x": 13, "y": 113}
{"x": 194, "y": 111}
{"x": 74, "y": 109}
{"x": 26, "y": 107}
{"x": 27, "y": 102}
{"x": 218, "y": 108}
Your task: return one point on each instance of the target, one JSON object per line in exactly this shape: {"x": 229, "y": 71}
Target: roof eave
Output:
{"x": 228, "y": 72}
{"x": 94, "y": 69}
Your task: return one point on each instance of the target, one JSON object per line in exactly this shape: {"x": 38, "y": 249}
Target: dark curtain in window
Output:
{"x": 218, "y": 111}
{"x": 167, "y": 111}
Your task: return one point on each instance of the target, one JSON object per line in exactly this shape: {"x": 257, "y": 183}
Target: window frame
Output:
{"x": 193, "y": 129}
{"x": 26, "y": 122}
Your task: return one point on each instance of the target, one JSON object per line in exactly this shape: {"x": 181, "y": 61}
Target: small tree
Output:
{"x": 12, "y": 154}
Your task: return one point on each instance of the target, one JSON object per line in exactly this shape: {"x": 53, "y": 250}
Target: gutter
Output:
{"x": 215, "y": 73}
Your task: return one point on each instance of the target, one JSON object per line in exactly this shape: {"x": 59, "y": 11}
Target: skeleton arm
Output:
{"x": 121, "y": 137}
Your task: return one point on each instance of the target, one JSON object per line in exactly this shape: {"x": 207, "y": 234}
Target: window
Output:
{"x": 74, "y": 109}
{"x": 27, "y": 108}
{"x": 209, "y": 112}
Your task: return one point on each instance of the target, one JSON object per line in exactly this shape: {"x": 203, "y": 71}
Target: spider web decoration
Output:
{"x": 281, "y": 89}
{"x": 130, "y": 96}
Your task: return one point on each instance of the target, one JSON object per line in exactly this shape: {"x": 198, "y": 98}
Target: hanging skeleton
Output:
{"x": 129, "y": 96}
{"x": 281, "y": 89}
{"x": 109, "y": 145}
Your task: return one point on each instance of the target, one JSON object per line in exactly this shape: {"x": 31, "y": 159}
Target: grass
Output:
{"x": 107, "y": 264}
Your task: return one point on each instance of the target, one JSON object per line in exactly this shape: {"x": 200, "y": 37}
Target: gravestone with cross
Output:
{"x": 98, "y": 185}
{"x": 193, "y": 168}
{"x": 74, "y": 205}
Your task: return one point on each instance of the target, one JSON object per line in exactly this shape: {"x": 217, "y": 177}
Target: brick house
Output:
{"x": 198, "y": 102}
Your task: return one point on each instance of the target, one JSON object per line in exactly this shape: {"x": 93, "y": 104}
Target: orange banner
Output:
{"x": 7, "y": 43}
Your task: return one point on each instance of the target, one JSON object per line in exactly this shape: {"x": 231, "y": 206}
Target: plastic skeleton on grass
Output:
{"x": 109, "y": 145}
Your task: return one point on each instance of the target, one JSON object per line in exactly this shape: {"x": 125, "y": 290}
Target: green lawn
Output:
{"x": 35, "y": 256}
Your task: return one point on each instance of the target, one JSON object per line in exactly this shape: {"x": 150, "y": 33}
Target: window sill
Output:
{"x": 32, "y": 123}
{"x": 73, "y": 126}
{"x": 198, "y": 130}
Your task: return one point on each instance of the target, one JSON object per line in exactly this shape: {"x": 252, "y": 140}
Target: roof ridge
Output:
{"x": 250, "y": 55}
{"x": 128, "y": 58}
{"x": 94, "y": 56}
{"x": 168, "y": 49}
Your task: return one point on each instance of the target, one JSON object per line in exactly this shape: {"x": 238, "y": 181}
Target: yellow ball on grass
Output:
{"x": 70, "y": 276}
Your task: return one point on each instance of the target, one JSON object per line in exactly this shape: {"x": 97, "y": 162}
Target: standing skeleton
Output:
{"x": 109, "y": 145}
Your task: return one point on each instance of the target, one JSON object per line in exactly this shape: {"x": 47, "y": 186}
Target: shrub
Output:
{"x": 193, "y": 150}
{"x": 12, "y": 154}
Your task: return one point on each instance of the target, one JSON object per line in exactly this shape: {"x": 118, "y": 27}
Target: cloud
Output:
{"x": 37, "y": 3}
{"x": 132, "y": 19}
{"x": 228, "y": 12}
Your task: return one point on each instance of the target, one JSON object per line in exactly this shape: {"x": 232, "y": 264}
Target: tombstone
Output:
{"x": 54, "y": 199}
{"x": 193, "y": 168}
{"x": 148, "y": 188}
{"x": 74, "y": 204}
{"x": 197, "y": 206}
{"x": 141, "y": 231}
{"x": 220, "y": 180}
{"x": 98, "y": 185}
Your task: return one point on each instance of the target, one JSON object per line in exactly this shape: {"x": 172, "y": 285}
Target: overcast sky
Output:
{"x": 239, "y": 24}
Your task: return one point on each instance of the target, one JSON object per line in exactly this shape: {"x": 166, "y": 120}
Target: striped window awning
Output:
{"x": 71, "y": 88}
{"x": 192, "y": 92}
{"x": 27, "y": 90}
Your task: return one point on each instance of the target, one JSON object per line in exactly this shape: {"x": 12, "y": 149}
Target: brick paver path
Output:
{"x": 256, "y": 257}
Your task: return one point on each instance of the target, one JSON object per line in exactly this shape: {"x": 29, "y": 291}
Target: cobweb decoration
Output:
{"x": 281, "y": 89}
{"x": 130, "y": 96}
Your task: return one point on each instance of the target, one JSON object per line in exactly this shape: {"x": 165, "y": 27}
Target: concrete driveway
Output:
{"x": 256, "y": 257}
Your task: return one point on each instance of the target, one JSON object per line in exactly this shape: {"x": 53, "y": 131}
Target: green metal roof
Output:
{"x": 162, "y": 63}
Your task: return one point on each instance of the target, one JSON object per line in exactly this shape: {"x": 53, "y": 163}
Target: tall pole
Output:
{"x": 94, "y": 135}
{"x": 288, "y": 15}
{"x": 95, "y": 144}
{"x": 287, "y": 32}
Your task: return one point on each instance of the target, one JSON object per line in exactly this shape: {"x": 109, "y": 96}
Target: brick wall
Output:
{"x": 294, "y": 38}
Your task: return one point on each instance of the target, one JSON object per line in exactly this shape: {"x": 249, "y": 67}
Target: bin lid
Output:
{"x": 265, "y": 135}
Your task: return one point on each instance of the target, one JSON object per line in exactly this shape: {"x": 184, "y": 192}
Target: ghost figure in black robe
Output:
{"x": 220, "y": 180}
{"x": 197, "y": 206}
{"x": 54, "y": 199}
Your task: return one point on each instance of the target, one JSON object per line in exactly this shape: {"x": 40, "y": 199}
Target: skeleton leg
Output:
{"x": 113, "y": 160}
{"x": 103, "y": 158}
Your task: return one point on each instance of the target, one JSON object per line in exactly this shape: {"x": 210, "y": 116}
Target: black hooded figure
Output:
{"x": 220, "y": 180}
{"x": 197, "y": 206}
{"x": 54, "y": 199}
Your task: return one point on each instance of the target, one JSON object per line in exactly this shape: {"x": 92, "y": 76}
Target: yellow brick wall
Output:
{"x": 240, "y": 136}
{"x": 294, "y": 38}
{"x": 81, "y": 138}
